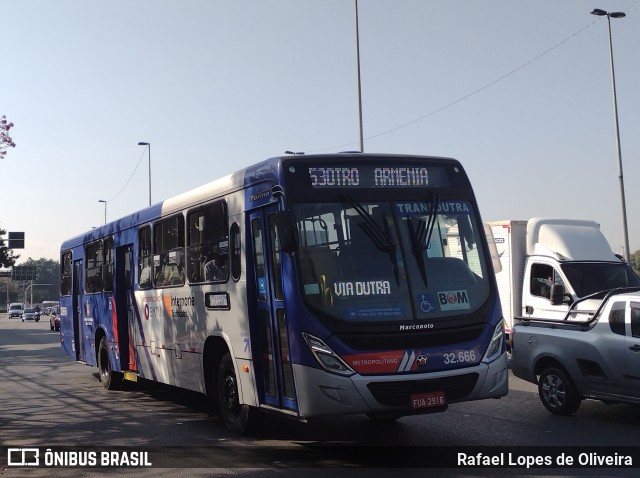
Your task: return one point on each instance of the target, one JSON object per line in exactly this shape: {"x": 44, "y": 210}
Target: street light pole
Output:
{"x": 609, "y": 15}
{"x": 149, "y": 146}
{"x": 359, "y": 87}
{"x": 105, "y": 209}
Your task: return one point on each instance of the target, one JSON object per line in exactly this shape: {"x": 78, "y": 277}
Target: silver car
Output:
{"x": 30, "y": 314}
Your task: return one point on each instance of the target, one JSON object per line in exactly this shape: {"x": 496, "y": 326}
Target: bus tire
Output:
{"x": 110, "y": 379}
{"x": 557, "y": 392}
{"x": 238, "y": 418}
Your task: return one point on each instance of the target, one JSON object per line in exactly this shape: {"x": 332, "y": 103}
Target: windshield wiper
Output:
{"x": 380, "y": 236}
{"x": 418, "y": 243}
{"x": 421, "y": 236}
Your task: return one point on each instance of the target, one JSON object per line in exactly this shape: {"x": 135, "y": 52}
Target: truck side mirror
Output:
{"x": 557, "y": 294}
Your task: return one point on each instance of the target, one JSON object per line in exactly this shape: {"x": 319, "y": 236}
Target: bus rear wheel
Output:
{"x": 238, "y": 418}
{"x": 110, "y": 379}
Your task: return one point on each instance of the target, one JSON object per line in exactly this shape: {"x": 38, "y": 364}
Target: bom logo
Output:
{"x": 453, "y": 300}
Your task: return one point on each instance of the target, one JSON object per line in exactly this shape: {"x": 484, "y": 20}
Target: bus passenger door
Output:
{"x": 271, "y": 349}
{"x": 78, "y": 337}
{"x": 124, "y": 308}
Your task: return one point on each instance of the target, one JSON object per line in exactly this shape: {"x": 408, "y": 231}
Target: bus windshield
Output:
{"x": 392, "y": 261}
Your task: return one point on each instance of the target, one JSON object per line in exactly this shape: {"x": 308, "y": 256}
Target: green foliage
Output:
{"x": 5, "y": 138}
{"x": 634, "y": 261}
{"x": 46, "y": 286}
{"x": 7, "y": 257}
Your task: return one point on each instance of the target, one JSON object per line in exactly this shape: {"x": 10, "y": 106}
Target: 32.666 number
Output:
{"x": 459, "y": 357}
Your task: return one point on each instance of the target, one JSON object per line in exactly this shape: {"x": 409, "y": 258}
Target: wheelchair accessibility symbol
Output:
{"x": 426, "y": 304}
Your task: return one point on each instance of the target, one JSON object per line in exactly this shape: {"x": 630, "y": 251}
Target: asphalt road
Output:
{"x": 47, "y": 400}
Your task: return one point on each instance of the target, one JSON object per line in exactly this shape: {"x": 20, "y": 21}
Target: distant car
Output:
{"x": 15, "y": 310}
{"x": 54, "y": 320}
{"x": 48, "y": 306}
{"x": 29, "y": 314}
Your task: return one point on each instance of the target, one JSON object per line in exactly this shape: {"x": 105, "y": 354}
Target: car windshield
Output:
{"x": 27, "y": 311}
{"x": 386, "y": 261}
{"x": 589, "y": 277}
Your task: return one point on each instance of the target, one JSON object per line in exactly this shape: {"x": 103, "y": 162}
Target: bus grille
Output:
{"x": 397, "y": 394}
{"x": 387, "y": 340}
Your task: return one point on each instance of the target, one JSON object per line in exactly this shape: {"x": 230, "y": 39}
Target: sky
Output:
{"x": 518, "y": 91}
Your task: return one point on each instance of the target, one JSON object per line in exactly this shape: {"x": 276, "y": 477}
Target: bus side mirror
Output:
{"x": 287, "y": 230}
{"x": 557, "y": 294}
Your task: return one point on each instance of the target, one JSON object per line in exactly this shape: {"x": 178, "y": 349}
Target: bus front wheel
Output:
{"x": 110, "y": 379}
{"x": 237, "y": 417}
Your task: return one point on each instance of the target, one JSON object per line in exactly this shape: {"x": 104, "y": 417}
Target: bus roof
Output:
{"x": 264, "y": 170}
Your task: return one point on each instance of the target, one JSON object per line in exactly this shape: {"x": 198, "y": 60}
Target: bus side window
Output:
{"x": 208, "y": 244}
{"x": 168, "y": 251}
{"x": 93, "y": 267}
{"x": 107, "y": 270}
{"x": 259, "y": 260}
{"x": 144, "y": 257}
{"x": 235, "y": 252}
{"x": 65, "y": 274}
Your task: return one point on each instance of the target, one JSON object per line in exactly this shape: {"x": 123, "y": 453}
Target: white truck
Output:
{"x": 549, "y": 263}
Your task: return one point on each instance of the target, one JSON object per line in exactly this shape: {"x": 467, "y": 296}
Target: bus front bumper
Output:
{"x": 322, "y": 394}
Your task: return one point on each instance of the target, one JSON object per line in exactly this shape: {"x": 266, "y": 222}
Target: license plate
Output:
{"x": 428, "y": 400}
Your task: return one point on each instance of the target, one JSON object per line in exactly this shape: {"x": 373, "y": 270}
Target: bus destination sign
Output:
{"x": 360, "y": 177}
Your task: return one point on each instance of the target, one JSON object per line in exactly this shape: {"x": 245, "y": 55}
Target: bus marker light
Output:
{"x": 245, "y": 368}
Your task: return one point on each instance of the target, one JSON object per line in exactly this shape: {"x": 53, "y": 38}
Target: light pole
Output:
{"x": 359, "y": 88}
{"x": 610, "y": 15}
{"x": 141, "y": 143}
{"x": 105, "y": 209}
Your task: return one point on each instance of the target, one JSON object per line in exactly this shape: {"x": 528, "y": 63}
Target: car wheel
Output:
{"x": 110, "y": 379}
{"x": 557, "y": 392}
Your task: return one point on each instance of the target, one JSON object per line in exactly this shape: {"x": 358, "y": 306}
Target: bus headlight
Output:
{"x": 495, "y": 346}
{"x": 327, "y": 358}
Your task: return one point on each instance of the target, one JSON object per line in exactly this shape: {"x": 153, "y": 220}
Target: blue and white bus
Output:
{"x": 303, "y": 285}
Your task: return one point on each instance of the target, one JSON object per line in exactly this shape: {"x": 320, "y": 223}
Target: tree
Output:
{"x": 48, "y": 272}
{"x": 7, "y": 258}
{"x": 634, "y": 261}
{"x": 5, "y": 138}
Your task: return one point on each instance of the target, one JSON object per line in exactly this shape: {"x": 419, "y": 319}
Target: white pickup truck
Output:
{"x": 591, "y": 354}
